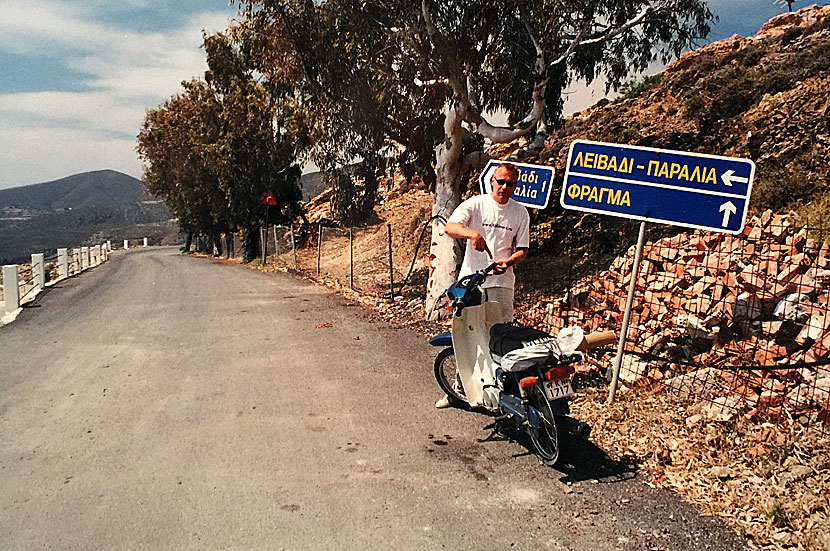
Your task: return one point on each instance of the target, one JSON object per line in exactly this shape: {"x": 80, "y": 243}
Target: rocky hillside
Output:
{"x": 766, "y": 97}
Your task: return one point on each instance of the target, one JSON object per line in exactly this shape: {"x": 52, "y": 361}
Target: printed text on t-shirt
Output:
{"x": 499, "y": 226}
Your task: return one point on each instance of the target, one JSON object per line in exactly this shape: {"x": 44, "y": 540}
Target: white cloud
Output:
{"x": 51, "y": 153}
{"x": 91, "y": 111}
{"x": 50, "y": 134}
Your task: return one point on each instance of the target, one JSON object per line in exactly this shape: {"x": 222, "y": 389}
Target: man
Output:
{"x": 497, "y": 230}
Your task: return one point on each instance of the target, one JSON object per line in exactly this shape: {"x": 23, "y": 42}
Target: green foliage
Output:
{"x": 778, "y": 515}
{"x": 250, "y": 244}
{"x": 373, "y": 75}
{"x": 637, "y": 87}
{"x": 213, "y": 151}
{"x": 352, "y": 204}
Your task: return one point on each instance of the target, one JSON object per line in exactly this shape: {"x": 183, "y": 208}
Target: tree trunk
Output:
{"x": 250, "y": 244}
{"x": 444, "y": 255}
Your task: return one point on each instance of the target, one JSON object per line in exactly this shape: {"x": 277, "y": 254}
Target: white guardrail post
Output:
{"x": 11, "y": 289}
{"x": 38, "y": 272}
{"x": 76, "y": 261}
{"x": 109, "y": 246}
{"x": 126, "y": 244}
{"x": 84, "y": 258}
{"x": 145, "y": 241}
{"x": 63, "y": 263}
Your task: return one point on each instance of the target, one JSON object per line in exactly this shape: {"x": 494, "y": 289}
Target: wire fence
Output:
{"x": 373, "y": 260}
{"x": 739, "y": 323}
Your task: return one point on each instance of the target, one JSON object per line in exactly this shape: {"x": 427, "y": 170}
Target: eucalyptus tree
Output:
{"x": 213, "y": 151}
{"x": 422, "y": 77}
{"x": 254, "y": 151}
{"x": 178, "y": 166}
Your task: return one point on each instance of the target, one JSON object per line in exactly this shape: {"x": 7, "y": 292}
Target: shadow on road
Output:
{"x": 35, "y": 302}
{"x": 580, "y": 459}
{"x": 584, "y": 460}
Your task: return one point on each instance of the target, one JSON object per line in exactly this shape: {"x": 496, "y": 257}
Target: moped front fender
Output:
{"x": 471, "y": 342}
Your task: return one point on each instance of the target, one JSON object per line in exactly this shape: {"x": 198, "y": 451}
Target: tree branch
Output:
{"x": 474, "y": 161}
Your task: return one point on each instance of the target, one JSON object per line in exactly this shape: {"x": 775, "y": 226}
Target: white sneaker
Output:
{"x": 443, "y": 402}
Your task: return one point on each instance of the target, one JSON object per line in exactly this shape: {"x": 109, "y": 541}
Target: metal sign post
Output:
{"x": 694, "y": 190}
{"x": 534, "y": 186}
{"x": 629, "y": 303}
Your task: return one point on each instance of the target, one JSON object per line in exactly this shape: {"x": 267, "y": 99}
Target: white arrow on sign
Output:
{"x": 729, "y": 176}
{"x": 728, "y": 209}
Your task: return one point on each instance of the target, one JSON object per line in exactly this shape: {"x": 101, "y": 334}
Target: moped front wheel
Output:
{"x": 546, "y": 438}
{"x": 446, "y": 373}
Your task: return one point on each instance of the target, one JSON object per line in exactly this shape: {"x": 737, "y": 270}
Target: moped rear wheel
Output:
{"x": 446, "y": 373}
{"x": 546, "y": 438}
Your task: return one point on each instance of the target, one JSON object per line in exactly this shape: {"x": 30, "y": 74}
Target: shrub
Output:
{"x": 636, "y": 87}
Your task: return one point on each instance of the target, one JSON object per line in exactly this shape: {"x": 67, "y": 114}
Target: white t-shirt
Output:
{"x": 505, "y": 228}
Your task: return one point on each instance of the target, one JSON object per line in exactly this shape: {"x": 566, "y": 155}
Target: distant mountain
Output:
{"x": 78, "y": 210}
{"x": 99, "y": 188}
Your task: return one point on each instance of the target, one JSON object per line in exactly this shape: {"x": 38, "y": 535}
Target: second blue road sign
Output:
{"x": 656, "y": 185}
{"x": 534, "y": 186}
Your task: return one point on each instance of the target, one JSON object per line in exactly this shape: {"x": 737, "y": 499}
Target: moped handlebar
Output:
{"x": 464, "y": 292}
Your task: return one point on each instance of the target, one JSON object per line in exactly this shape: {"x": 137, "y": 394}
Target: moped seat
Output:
{"x": 506, "y": 337}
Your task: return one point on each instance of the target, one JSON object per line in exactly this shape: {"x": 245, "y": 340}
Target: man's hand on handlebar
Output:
{"x": 501, "y": 267}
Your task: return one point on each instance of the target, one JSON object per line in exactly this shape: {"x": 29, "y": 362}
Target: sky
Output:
{"x": 76, "y": 76}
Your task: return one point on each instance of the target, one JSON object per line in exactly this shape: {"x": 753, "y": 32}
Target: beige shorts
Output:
{"x": 504, "y": 296}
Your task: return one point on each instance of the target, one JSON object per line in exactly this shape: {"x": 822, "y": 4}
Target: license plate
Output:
{"x": 558, "y": 389}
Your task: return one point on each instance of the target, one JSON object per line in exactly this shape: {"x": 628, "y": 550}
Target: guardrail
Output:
{"x": 21, "y": 283}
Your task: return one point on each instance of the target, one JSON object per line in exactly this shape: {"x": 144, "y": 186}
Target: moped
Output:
{"x": 520, "y": 374}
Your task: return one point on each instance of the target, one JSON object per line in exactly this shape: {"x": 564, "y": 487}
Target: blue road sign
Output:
{"x": 534, "y": 186}
{"x": 656, "y": 185}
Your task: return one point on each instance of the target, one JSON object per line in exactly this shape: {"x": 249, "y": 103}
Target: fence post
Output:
{"x": 109, "y": 245}
{"x": 391, "y": 273}
{"x": 293, "y": 246}
{"x": 38, "y": 272}
{"x": 76, "y": 261}
{"x": 145, "y": 241}
{"x": 104, "y": 252}
{"x": 84, "y": 258}
{"x": 126, "y": 244}
{"x": 319, "y": 240}
{"x": 263, "y": 241}
{"x": 98, "y": 259}
{"x": 63, "y": 263}
{"x": 276, "y": 243}
{"x": 351, "y": 259}
{"x": 11, "y": 289}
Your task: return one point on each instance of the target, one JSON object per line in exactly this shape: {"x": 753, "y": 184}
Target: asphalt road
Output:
{"x": 166, "y": 402}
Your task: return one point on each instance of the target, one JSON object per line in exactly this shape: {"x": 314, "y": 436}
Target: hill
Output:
{"x": 99, "y": 188}
{"x": 75, "y": 211}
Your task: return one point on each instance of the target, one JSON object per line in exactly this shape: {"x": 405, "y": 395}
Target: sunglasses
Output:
{"x": 508, "y": 183}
